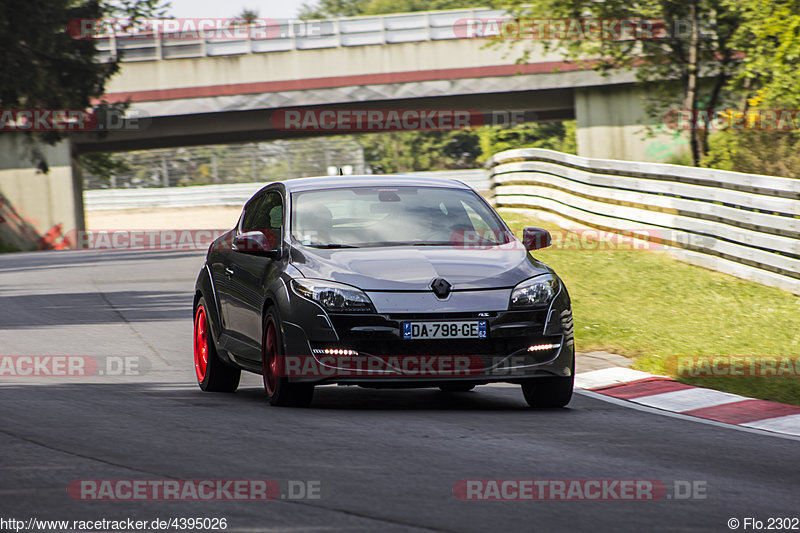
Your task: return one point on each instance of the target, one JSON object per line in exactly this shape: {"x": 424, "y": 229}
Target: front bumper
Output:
{"x": 369, "y": 349}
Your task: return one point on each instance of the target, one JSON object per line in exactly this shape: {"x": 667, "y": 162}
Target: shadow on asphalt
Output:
{"x": 251, "y": 399}
{"x": 427, "y": 399}
{"x": 75, "y": 308}
{"x": 81, "y": 258}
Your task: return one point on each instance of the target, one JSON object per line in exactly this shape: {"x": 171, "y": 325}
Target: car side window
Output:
{"x": 272, "y": 213}
{"x": 265, "y": 214}
{"x": 252, "y": 211}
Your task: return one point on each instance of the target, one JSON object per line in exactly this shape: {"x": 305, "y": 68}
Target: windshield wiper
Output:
{"x": 332, "y": 245}
{"x": 378, "y": 244}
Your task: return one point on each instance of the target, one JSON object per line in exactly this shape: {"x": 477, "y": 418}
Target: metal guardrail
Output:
{"x": 282, "y": 36}
{"x": 742, "y": 224}
{"x": 235, "y": 194}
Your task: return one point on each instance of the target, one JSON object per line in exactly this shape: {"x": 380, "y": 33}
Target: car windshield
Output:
{"x": 393, "y": 216}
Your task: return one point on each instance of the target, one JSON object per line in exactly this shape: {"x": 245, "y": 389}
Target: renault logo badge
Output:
{"x": 441, "y": 288}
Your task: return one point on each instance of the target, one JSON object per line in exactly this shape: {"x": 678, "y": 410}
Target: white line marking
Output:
{"x": 608, "y": 376}
{"x": 652, "y": 410}
{"x": 785, "y": 424}
{"x": 688, "y": 399}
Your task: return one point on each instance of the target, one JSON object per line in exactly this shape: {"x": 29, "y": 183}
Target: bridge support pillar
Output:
{"x": 33, "y": 202}
{"x": 611, "y": 123}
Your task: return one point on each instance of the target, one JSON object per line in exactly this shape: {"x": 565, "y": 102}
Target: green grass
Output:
{"x": 648, "y": 306}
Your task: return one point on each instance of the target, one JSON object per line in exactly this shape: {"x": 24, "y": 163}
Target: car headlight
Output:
{"x": 333, "y": 296}
{"x": 534, "y": 292}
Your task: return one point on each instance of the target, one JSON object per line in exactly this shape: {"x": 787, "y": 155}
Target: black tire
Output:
{"x": 456, "y": 387}
{"x": 213, "y": 375}
{"x": 548, "y": 391}
{"x": 280, "y": 392}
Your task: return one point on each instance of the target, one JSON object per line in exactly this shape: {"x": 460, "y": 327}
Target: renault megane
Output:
{"x": 380, "y": 281}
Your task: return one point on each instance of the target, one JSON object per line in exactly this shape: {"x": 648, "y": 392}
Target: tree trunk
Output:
{"x": 690, "y": 101}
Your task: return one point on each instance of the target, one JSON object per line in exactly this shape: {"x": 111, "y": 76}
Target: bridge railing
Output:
{"x": 285, "y": 35}
{"x": 746, "y": 225}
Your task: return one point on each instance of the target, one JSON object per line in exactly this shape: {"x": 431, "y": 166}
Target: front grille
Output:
{"x": 442, "y": 316}
{"x": 437, "y": 346}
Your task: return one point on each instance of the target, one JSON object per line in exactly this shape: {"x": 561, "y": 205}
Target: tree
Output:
{"x": 247, "y": 16}
{"x": 768, "y": 38}
{"x": 353, "y": 8}
{"x": 44, "y": 67}
{"x": 324, "y": 9}
{"x": 694, "y": 52}
{"x": 768, "y": 35}
{"x": 559, "y": 136}
{"x": 104, "y": 166}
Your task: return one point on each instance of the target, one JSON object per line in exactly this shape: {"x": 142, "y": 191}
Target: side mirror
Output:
{"x": 535, "y": 238}
{"x": 258, "y": 243}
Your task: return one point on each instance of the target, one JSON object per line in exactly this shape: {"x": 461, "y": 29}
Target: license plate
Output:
{"x": 473, "y": 329}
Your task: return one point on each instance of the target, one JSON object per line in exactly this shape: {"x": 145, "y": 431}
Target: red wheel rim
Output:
{"x": 269, "y": 359}
{"x": 200, "y": 343}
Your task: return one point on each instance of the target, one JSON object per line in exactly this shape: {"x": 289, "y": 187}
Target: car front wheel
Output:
{"x": 280, "y": 391}
{"x": 548, "y": 391}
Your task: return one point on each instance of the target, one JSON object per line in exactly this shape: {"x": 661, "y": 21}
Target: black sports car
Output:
{"x": 380, "y": 281}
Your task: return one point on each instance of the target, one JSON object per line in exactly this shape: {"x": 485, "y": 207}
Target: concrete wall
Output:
{"x": 611, "y": 125}
{"x": 40, "y": 200}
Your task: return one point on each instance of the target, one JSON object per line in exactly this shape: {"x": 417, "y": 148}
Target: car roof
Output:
{"x": 369, "y": 180}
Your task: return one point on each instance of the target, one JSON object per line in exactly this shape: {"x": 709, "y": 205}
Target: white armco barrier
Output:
{"x": 235, "y": 194}
{"x": 746, "y": 225}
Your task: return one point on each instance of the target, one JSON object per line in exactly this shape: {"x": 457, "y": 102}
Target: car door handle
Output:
{"x": 228, "y": 271}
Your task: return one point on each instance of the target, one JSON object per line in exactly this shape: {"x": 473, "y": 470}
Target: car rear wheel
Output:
{"x": 280, "y": 391}
{"x": 456, "y": 387}
{"x": 548, "y": 391}
{"x": 212, "y": 374}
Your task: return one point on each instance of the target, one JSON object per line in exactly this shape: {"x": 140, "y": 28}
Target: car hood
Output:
{"x": 410, "y": 268}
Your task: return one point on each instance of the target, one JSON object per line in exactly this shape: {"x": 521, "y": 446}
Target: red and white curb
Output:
{"x": 667, "y": 394}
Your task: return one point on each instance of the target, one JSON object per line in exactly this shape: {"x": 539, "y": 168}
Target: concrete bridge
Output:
{"x": 226, "y": 89}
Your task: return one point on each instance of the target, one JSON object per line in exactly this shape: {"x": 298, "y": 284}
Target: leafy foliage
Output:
{"x": 104, "y": 165}
{"x": 353, "y": 8}
{"x": 406, "y": 151}
{"x": 247, "y": 16}
{"x": 697, "y": 44}
{"x": 44, "y": 67}
{"x": 558, "y": 136}
{"x": 768, "y": 34}
{"x": 333, "y": 8}
{"x": 470, "y": 148}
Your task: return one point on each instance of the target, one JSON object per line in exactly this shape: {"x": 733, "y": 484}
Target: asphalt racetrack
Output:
{"x": 373, "y": 460}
